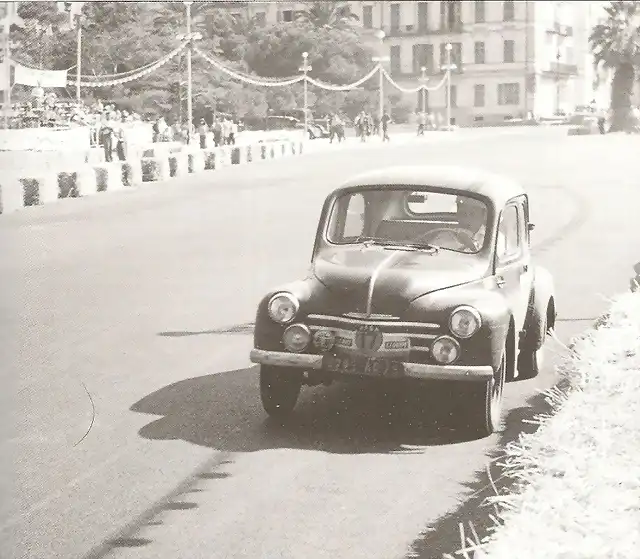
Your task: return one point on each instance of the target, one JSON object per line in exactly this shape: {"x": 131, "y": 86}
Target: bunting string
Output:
{"x": 128, "y": 78}
{"x": 414, "y": 89}
{"x": 247, "y": 79}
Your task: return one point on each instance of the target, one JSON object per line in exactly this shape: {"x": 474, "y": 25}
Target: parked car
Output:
{"x": 583, "y": 124}
{"x": 635, "y": 281}
{"x": 418, "y": 274}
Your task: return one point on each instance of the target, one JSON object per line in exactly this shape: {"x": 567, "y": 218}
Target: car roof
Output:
{"x": 498, "y": 188}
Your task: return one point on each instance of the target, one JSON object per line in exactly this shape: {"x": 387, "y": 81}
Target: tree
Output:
{"x": 615, "y": 44}
{"x": 327, "y": 14}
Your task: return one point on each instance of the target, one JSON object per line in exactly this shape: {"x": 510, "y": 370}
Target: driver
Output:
{"x": 472, "y": 216}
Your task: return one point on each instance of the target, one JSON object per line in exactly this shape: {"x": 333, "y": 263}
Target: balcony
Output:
{"x": 417, "y": 30}
{"x": 435, "y": 73}
{"x": 561, "y": 69}
{"x": 561, "y": 29}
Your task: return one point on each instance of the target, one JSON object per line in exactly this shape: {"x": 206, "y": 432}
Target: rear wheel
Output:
{"x": 279, "y": 389}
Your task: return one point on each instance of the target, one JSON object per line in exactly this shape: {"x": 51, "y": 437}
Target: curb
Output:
{"x": 157, "y": 163}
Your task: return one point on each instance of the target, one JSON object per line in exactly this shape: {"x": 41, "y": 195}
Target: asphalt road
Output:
{"x": 132, "y": 424}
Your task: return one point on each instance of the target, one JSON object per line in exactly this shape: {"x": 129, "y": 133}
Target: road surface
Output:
{"x": 134, "y": 428}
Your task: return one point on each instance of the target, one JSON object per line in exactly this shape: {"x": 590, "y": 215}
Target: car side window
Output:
{"x": 354, "y": 219}
{"x": 509, "y": 234}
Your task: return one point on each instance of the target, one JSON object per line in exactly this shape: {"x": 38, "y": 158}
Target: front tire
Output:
{"x": 484, "y": 402}
{"x": 279, "y": 390}
{"x": 532, "y": 353}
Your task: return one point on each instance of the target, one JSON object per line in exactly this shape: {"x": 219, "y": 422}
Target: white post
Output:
{"x": 189, "y": 82}
{"x": 6, "y": 40}
{"x": 380, "y": 34}
{"x": 305, "y": 68}
{"x": 448, "y": 67}
{"x": 423, "y": 91}
{"x": 78, "y": 19}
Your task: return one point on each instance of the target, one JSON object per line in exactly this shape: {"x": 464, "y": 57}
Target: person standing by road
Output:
{"x": 386, "y": 120}
{"x": 202, "y": 131}
{"x": 106, "y": 139}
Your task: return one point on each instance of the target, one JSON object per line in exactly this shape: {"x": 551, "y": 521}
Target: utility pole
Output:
{"x": 448, "y": 67}
{"x": 189, "y": 80}
{"x": 305, "y": 68}
{"x": 380, "y": 34}
{"x": 423, "y": 91}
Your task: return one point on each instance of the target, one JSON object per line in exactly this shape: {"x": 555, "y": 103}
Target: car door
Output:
{"x": 511, "y": 262}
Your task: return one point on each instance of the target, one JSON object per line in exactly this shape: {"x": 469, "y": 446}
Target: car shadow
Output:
{"x": 443, "y": 537}
{"x": 241, "y": 329}
{"x": 223, "y": 411}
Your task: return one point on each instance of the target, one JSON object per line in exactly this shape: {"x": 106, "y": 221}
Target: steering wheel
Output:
{"x": 460, "y": 235}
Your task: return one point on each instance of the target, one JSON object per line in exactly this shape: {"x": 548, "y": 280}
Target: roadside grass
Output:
{"x": 576, "y": 490}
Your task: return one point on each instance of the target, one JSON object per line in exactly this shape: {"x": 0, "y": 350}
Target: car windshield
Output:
{"x": 417, "y": 218}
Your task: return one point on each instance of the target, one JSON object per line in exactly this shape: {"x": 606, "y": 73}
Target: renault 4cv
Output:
{"x": 417, "y": 272}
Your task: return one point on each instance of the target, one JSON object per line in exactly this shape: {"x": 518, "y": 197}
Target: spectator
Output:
{"x": 202, "y": 131}
{"x": 386, "y": 120}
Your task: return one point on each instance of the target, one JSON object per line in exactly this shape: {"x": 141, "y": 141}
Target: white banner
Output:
{"x": 39, "y": 78}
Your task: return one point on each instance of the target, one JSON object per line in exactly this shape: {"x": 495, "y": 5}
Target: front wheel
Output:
{"x": 483, "y": 402}
{"x": 279, "y": 389}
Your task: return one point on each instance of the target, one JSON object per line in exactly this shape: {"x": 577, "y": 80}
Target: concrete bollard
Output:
{"x": 155, "y": 169}
{"x": 301, "y": 148}
{"x": 264, "y": 152}
{"x": 67, "y": 185}
{"x": 284, "y": 148}
{"x": 237, "y": 155}
{"x": 248, "y": 154}
{"x": 131, "y": 172}
{"x": 223, "y": 157}
{"x": 209, "y": 156}
{"x": 40, "y": 190}
{"x": 178, "y": 164}
{"x": 108, "y": 176}
{"x": 86, "y": 182}
{"x": 196, "y": 161}
{"x": 11, "y": 195}
{"x": 273, "y": 152}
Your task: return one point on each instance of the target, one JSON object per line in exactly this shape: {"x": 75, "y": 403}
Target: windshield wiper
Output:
{"x": 411, "y": 246}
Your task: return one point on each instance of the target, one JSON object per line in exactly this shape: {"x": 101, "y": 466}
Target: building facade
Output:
{"x": 512, "y": 58}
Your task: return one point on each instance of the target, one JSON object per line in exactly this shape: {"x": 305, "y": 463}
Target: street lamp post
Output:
{"x": 78, "y": 19}
{"x": 423, "y": 91}
{"x": 448, "y": 67}
{"x": 189, "y": 80}
{"x": 558, "y": 55}
{"x": 305, "y": 68}
{"x": 380, "y": 34}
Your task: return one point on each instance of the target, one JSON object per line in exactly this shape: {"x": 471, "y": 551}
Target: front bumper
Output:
{"x": 411, "y": 370}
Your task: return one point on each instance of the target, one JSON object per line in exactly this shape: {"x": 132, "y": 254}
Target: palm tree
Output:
{"x": 615, "y": 44}
{"x": 327, "y": 14}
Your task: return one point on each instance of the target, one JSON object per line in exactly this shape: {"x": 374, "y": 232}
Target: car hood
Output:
{"x": 380, "y": 280}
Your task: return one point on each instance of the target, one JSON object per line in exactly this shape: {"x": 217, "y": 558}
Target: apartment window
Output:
{"x": 395, "y": 17}
{"x": 508, "y": 10}
{"x": 450, "y": 15}
{"x": 287, "y": 15}
{"x": 367, "y": 17}
{"x": 423, "y": 16}
{"x": 478, "y": 95}
{"x": 261, "y": 18}
{"x": 454, "y": 96}
{"x": 422, "y": 56}
{"x": 480, "y": 11}
{"x": 509, "y": 50}
{"x": 509, "y": 94}
{"x": 479, "y": 53}
{"x": 394, "y": 59}
{"x": 456, "y": 54}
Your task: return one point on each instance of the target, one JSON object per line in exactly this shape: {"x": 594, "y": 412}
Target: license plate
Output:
{"x": 360, "y": 365}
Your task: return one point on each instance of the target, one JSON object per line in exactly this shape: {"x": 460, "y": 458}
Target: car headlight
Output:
{"x": 445, "y": 350}
{"x": 464, "y": 322}
{"x": 283, "y": 308}
{"x": 296, "y": 338}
